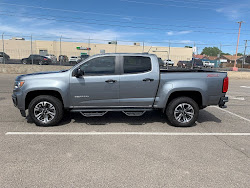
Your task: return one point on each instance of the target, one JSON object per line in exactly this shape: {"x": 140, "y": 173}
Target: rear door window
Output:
{"x": 136, "y": 64}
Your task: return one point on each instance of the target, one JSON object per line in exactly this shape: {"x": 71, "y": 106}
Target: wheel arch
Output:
{"x": 32, "y": 94}
{"x": 195, "y": 95}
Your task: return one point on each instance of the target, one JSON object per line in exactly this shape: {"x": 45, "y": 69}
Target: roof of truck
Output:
{"x": 134, "y": 54}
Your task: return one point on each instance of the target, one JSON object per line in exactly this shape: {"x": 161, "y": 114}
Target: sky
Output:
{"x": 202, "y": 23}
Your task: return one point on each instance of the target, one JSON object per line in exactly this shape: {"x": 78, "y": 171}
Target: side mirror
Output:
{"x": 79, "y": 73}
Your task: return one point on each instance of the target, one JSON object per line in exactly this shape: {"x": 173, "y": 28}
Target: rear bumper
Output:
{"x": 222, "y": 102}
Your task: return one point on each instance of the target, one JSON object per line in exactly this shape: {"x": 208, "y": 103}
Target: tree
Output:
{"x": 211, "y": 51}
{"x": 239, "y": 54}
{"x": 222, "y": 53}
{"x": 188, "y": 47}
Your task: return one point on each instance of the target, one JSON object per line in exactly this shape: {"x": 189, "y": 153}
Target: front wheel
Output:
{"x": 182, "y": 112}
{"x": 46, "y": 110}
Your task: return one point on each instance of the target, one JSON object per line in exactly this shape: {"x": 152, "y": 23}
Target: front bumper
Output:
{"x": 222, "y": 102}
{"x": 19, "y": 102}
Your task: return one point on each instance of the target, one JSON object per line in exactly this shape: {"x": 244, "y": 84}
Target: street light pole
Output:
{"x": 31, "y": 50}
{"x": 60, "y": 50}
{"x": 235, "y": 62}
{"x": 3, "y": 49}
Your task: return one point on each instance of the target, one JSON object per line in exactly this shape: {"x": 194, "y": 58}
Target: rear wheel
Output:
{"x": 46, "y": 110}
{"x": 182, "y": 112}
{"x": 24, "y": 62}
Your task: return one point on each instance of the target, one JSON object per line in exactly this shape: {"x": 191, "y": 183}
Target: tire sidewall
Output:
{"x": 174, "y": 103}
{"x": 54, "y": 101}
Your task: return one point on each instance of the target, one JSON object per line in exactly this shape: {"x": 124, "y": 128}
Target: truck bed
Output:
{"x": 186, "y": 70}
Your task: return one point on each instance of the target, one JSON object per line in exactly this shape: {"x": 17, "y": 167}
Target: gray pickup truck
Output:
{"x": 131, "y": 83}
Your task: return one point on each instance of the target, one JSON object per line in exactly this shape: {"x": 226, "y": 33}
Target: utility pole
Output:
{"x": 244, "y": 57}
{"x": 235, "y": 68}
{"x": 3, "y": 49}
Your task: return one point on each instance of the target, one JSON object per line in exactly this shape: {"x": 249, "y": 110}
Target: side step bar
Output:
{"x": 134, "y": 113}
{"x": 93, "y": 114}
{"x": 102, "y": 112}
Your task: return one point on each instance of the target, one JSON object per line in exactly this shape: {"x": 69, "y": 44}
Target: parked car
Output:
{"x": 4, "y": 57}
{"x": 197, "y": 63}
{"x": 52, "y": 57}
{"x": 74, "y": 60}
{"x": 131, "y": 83}
{"x": 208, "y": 64}
{"x": 63, "y": 58}
{"x": 37, "y": 59}
{"x": 168, "y": 62}
{"x": 182, "y": 64}
{"x": 84, "y": 57}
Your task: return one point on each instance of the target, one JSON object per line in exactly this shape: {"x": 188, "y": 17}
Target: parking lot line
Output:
{"x": 232, "y": 113}
{"x": 236, "y": 98}
{"x": 245, "y": 86}
{"x": 128, "y": 133}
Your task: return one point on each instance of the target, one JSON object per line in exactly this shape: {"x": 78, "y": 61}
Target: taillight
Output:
{"x": 45, "y": 59}
{"x": 225, "y": 85}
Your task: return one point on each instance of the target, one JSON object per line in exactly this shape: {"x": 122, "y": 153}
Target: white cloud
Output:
{"x": 127, "y": 18}
{"x": 233, "y": 12}
{"x": 171, "y": 33}
{"x": 68, "y": 34}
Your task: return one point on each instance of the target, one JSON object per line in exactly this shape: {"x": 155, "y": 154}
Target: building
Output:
{"x": 18, "y": 49}
{"x": 198, "y": 56}
{"x": 230, "y": 58}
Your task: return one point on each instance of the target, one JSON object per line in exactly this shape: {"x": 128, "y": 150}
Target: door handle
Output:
{"x": 111, "y": 81}
{"x": 148, "y": 80}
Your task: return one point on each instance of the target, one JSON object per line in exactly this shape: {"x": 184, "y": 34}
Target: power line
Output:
{"x": 116, "y": 25}
{"x": 197, "y": 2}
{"x": 140, "y": 23}
{"x": 162, "y": 4}
{"x": 88, "y": 12}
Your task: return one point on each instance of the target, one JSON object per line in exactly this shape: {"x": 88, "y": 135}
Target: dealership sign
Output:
{"x": 82, "y": 48}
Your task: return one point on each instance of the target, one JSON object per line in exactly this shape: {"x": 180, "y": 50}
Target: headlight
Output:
{"x": 18, "y": 84}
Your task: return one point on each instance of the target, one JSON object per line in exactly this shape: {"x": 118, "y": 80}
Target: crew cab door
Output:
{"x": 99, "y": 86}
{"x": 138, "y": 81}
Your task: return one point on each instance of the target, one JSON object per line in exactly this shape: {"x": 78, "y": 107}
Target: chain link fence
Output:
{"x": 69, "y": 51}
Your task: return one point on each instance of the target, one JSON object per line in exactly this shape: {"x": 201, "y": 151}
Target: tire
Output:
{"x": 24, "y": 62}
{"x": 179, "y": 117}
{"x": 50, "y": 109}
{"x": 40, "y": 63}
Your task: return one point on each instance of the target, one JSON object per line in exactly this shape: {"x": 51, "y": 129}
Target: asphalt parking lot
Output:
{"x": 120, "y": 151}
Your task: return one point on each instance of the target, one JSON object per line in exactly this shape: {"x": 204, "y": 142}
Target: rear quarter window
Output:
{"x": 136, "y": 64}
